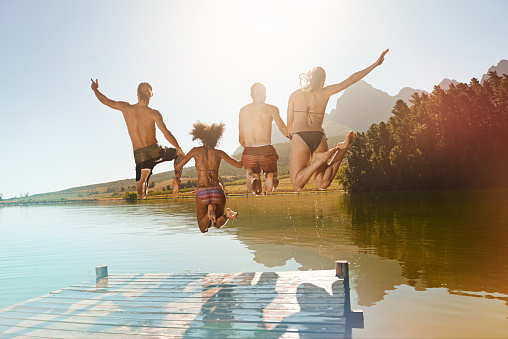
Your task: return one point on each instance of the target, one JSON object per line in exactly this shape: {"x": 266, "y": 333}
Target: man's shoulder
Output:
{"x": 272, "y": 107}
{"x": 152, "y": 111}
{"x": 246, "y": 108}
{"x": 124, "y": 106}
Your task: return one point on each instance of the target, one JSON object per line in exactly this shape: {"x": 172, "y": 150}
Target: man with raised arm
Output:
{"x": 141, "y": 121}
{"x": 256, "y": 137}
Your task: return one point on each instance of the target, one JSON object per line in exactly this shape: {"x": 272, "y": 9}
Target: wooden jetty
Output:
{"x": 310, "y": 304}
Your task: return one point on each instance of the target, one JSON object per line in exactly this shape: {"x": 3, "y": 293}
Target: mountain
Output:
{"x": 361, "y": 105}
{"x": 501, "y": 68}
{"x": 407, "y": 93}
{"x": 445, "y": 83}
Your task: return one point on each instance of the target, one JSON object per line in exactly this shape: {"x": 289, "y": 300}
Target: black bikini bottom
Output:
{"x": 311, "y": 138}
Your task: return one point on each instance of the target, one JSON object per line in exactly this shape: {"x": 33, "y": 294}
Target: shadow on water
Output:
{"x": 223, "y": 312}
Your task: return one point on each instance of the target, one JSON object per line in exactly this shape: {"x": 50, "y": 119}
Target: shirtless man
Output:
{"x": 256, "y": 137}
{"x": 141, "y": 121}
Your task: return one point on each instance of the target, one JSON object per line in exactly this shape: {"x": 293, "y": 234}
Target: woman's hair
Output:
{"x": 312, "y": 79}
{"x": 144, "y": 91}
{"x": 209, "y": 135}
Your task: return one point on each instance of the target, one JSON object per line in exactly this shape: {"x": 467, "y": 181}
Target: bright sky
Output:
{"x": 201, "y": 58}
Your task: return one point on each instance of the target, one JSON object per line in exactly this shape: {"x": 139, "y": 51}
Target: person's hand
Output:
{"x": 285, "y": 132}
{"x": 180, "y": 153}
{"x": 95, "y": 85}
{"x": 381, "y": 58}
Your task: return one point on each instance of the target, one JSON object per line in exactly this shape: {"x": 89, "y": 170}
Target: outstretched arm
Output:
{"x": 119, "y": 105}
{"x": 354, "y": 78}
{"x": 179, "y": 165}
{"x": 167, "y": 134}
{"x": 229, "y": 160}
{"x": 280, "y": 123}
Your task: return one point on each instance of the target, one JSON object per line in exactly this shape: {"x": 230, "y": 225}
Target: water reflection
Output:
{"x": 457, "y": 240}
{"x": 445, "y": 250}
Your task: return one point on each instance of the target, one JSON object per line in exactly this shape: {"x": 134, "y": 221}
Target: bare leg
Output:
{"x": 223, "y": 214}
{"x": 253, "y": 181}
{"x": 177, "y": 181}
{"x": 142, "y": 184}
{"x": 325, "y": 175}
{"x": 275, "y": 181}
{"x": 211, "y": 212}
{"x": 176, "y": 187}
{"x": 299, "y": 170}
{"x": 204, "y": 221}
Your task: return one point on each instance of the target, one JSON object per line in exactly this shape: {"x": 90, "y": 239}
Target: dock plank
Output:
{"x": 98, "y": 325}
{"x": 242, "y": 315}
{"x": 307, "y": 304}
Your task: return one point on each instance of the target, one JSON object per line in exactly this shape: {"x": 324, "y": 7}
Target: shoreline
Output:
{"x": 150, "y": 198}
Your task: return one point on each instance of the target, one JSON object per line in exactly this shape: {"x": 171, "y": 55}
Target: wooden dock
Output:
{"x": 310, "y": 304}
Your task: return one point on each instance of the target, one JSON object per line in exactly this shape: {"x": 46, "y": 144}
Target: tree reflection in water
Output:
{"x": 452, "y": 239}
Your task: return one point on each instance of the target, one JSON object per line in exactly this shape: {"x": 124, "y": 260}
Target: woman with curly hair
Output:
{"x": 210, "y": 198}
{"x": 306, "y": 111}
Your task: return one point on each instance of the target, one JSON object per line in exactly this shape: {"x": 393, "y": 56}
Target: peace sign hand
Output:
{"x": 95, "y": 84}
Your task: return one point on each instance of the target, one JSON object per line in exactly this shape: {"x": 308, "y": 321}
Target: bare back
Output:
{"x": 256, "y": 123}
{"x": 140, "y": 120}
{"x": 207, "y": 163}
{"x": 307, "y": 110}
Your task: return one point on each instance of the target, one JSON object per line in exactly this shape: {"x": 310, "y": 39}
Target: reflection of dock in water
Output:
{"x": 309, "y": 304}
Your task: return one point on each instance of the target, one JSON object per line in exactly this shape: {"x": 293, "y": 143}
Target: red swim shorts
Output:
{"x": 263, "y": 157}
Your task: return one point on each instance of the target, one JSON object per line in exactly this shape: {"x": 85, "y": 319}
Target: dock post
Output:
{"x": 342, "y": 270}
{"x": 101, "y": 272}
{"x": 355, "y": 317}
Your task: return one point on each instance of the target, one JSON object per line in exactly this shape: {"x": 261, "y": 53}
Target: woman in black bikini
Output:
{"x": 306, "y": 110}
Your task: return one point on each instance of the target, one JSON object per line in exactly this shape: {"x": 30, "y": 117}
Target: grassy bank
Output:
{"x": 158, "y": 191}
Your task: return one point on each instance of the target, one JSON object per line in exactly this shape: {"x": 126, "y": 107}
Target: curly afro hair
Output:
{"x": 209, "y": 135}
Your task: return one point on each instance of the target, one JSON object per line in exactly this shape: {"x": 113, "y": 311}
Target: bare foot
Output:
{"x": 176, "y": 187}
{"x": 322, "y": 157}
{"x": 268, "y": 187}
{"x": 255, "y": 183}
{"x": 230, "y": 214}
{"x": 211, "y": 213}
{"x": 347, "y": 141}
{"x": 275, "y": 182}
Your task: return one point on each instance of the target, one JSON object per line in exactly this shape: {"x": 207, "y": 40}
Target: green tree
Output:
{"x": 448, "y": 139}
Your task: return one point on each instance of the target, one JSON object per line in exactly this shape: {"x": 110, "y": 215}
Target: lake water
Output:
{"x": 422, "y": 264}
